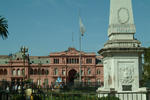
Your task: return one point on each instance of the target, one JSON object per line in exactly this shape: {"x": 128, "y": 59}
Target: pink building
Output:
{"x": 46, "y": 69}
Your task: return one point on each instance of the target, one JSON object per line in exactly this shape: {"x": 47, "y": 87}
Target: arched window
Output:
{"x": 70, "y": 61}
{"x": 5, "y": 71}
{"x": 55, "y": 71}
{"x": 35, "y": 71}
{"x": 46, "y": 72}
{"x": 63, "y": 72}
{"x": 98, "y": 71}
{"x": 13, "y": 72}
{"x": 1, "y": 72}
{"x": 39, "y": 71}
{"x": 23, "y": 72}
{"x": 31, "y": 71}
{"x": 89, "y": 71}
{"x": 18, "y": 72}
{"x": 43, "y": 71}
{"x": 82, "y": 72}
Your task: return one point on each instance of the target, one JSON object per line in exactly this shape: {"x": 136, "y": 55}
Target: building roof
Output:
{"x": 72, "y": 51}
{"x": 4, "y": 59}
{"x": 39, "y": 59}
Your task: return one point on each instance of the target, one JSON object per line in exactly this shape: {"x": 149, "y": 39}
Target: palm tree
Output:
{"x": 3, "y": 27}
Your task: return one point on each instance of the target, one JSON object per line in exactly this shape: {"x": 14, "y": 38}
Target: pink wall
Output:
{"x": 63, "y": 65}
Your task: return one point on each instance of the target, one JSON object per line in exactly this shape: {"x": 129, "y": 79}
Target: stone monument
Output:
{"x": 122, "y": 52}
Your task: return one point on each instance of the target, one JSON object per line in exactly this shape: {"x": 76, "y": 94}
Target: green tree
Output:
{"x": 147, "y": 56}
{"x": 146, "y": 74}
{"x": 3, "y": 27}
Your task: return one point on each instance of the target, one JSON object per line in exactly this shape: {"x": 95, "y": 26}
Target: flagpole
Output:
{"x": 80, "y": 57}
{"x": 80, "y": 80}
{"x": 72, "y": 40}
{"x": 81, "y": 32}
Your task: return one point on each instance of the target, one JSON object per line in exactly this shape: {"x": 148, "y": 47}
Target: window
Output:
{"x": 18, "y": 72}
{"x": 47, "y": 72}
{"x": 1, "y": 72}
{"x": 63, "y": 72}
{"x": 35, "y": 71}
{"x": 77, "y": 60}
{"x": 98, "y": 81}
{"x": 5, "y": 71}
{"x": 23, "y": 72}
{"x": 13, "y": 72}
{"x": 72, "y": 60}
{"x": 82, "y": 72}
{"x": 89, "y": 60}
{"x": 89, "y": 71}
{"x": 98, "y": 71}
{"x": 39, "y": 71}
{"x": 55, "y": 71}
{"x": 56, "y": 61}
{"x": 31, "y": 71}
{"x": 43, "y": 71}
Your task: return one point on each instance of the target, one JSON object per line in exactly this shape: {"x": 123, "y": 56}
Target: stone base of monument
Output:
{"x": 140, "y": 94}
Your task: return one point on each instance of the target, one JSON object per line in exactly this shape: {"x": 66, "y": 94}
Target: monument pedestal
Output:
{"x": 122, "y": 68}
{"x": 122, "y": 73}
{"x": 122, "y": 53}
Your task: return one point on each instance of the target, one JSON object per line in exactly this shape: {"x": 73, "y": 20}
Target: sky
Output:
{"x": 46, "y": 26}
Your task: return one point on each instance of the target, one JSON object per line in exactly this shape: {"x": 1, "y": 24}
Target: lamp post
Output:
{"x": 10, "y": 62}
{"x": 39, "y": 73}
{"x": 46, "y": 72}
{"x": 23, "y": 50}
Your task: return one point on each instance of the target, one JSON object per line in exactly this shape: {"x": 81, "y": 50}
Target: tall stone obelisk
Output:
{"x": 122, "y": 52}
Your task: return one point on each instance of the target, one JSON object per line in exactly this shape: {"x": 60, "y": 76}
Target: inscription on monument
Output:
{"x": 126, "y": 87}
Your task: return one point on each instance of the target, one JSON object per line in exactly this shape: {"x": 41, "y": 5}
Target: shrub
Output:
{"x": 37, "y": 97}
{"x": 18, "y": 97}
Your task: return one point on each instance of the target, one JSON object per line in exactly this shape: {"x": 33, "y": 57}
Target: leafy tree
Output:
{"x": 3, "y": 27}
{"x": 147, "y": 56}
{"x": 146, "y": 74}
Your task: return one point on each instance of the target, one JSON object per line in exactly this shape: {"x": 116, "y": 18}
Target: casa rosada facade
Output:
{"x": 46, "y": 69}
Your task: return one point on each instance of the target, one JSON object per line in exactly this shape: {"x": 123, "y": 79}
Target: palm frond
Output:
{"x": 3, "y": 28}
